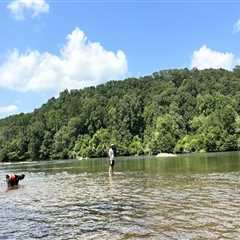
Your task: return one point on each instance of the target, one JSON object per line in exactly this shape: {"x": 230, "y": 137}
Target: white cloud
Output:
{"x": 236, "y": 27}
{"x": 208, "y": 58}
{"x": 22, "y": 8}
{"x": 10, "y": 109}
{"x": 80, "y": 63}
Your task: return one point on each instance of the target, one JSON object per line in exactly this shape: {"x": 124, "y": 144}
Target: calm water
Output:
{"x": 185, "y": 197}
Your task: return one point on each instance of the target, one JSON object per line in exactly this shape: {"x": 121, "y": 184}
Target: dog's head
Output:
{"x": 21, "y": 176}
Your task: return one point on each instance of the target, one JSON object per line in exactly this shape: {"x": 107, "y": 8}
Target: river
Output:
{"x": 195, "y": 196}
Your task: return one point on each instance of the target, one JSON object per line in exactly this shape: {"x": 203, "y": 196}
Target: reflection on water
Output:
{"x": 188, "y": 197}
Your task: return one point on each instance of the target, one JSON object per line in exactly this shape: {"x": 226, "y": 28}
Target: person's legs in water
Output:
{"x": 111, "y": 167}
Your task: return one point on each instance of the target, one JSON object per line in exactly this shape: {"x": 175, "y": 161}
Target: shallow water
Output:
{"x": 187, "y": 197}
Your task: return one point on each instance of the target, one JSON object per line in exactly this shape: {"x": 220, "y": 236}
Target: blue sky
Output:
{"x": 47, "y": 46}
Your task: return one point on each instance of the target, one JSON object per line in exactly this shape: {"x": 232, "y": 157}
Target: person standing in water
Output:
{"x": 111, "y": 159}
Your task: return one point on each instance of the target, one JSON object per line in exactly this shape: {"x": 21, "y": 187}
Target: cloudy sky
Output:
{"x": 51, "y": 45}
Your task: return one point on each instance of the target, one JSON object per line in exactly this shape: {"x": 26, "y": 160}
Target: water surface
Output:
{"x": 186, "y": 197}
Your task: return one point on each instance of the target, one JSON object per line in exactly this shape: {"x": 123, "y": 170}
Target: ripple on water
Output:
{"x": 125, "y": 206}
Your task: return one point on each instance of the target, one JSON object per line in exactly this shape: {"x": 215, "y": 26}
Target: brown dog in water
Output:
{"x": 12, "y": 180}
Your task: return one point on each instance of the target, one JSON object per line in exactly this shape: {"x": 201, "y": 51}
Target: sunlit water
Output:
{"x": 186, "y": 197}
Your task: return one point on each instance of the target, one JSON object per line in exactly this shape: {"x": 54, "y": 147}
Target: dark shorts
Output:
{"x": 111, "y": 163}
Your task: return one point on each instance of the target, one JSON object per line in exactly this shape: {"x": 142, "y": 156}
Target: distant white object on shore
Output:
{"x": 82, "y": 158}
{"x": 166, "y": 155}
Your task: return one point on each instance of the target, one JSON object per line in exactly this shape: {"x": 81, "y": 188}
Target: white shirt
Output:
{"x": 111, "y": 154}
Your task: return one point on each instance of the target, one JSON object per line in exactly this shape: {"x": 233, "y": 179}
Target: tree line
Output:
{"x": 178, "y": 110}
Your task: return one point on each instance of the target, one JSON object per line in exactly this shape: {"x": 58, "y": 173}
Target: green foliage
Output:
{"x": 62, "y": 143}
{"x": 100, "y": 142}
{"x": 82, "y": 147}
{"x": 136, "y": 146}
{"x": 164, "y": 136}
{"x": 169, "y": 111}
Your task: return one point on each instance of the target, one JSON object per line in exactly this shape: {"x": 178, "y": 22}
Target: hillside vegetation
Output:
{"x": 170, "y": 111}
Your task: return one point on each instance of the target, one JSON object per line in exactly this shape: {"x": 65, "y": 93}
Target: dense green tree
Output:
{"x": 178, "y": 110}
{"x": 46, "y": 147}
{"x": 100, "y": 142}
{"x": 82, "y": 147}
{"x": 136, "y": 146}
{"x": 35, "y": 135}
{"x": 62, "y": 143}
{"x": 167, "y": 131}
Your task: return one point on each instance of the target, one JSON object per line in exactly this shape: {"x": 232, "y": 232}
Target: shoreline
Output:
{"x": 159, "y": 155}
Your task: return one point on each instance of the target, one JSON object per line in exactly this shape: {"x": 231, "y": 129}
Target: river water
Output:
{"x": 193, "y": 196}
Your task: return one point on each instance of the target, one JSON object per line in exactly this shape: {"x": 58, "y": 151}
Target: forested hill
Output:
{"x": 169, "y": 111}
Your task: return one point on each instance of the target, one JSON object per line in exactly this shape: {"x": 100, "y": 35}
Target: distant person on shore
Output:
{"x": 13, "y": 179}
{"x": 111, "y": 154}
